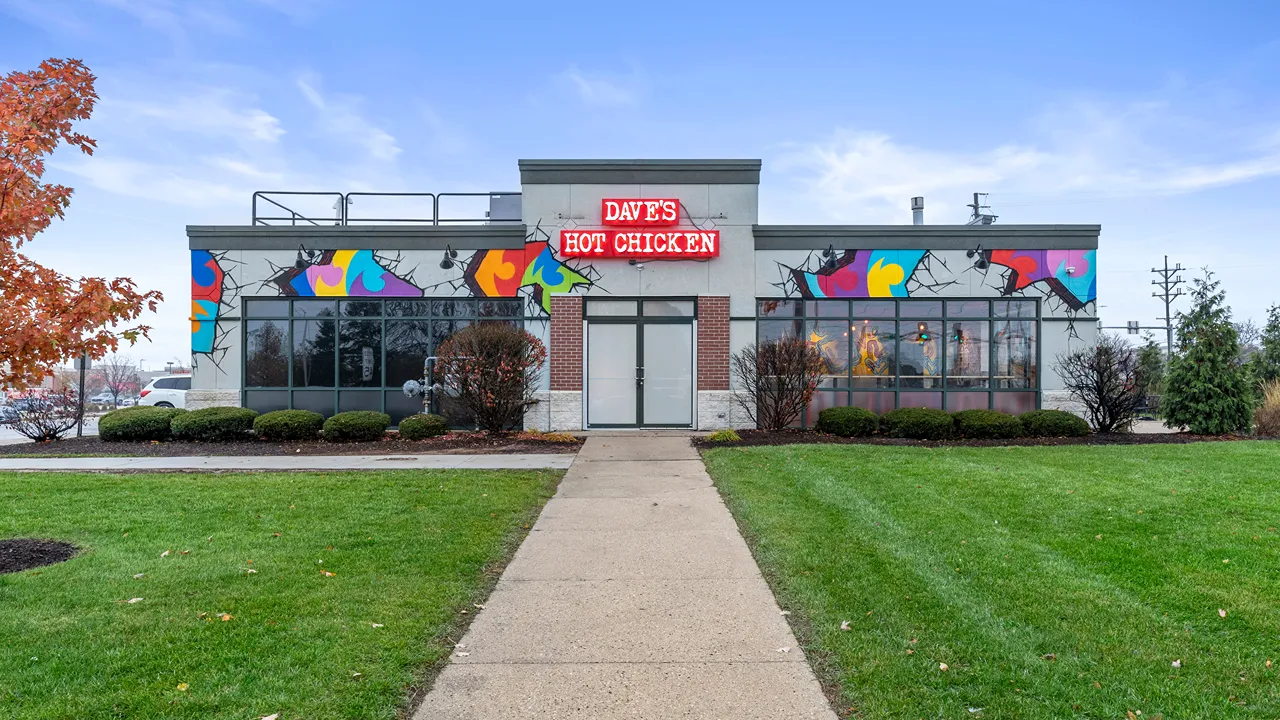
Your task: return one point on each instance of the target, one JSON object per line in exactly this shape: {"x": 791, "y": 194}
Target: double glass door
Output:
{"x": 640, "y": 363}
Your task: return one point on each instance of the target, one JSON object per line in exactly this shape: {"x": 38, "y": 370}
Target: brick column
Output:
{"x": 565, "y": 347}
{"x": 713, "y": 342}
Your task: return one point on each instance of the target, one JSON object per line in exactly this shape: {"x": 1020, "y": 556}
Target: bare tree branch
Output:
{"x": 778, "y": 379}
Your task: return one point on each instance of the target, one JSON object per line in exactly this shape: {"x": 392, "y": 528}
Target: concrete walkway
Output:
{"x": 295, "y": 462}
{"x": 634, "y": 596}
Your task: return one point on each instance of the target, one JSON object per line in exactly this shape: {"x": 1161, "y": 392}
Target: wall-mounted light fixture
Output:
{"x": 301, "y": 263}
{"x": 828, "y": 259}
{"x": 450, "y": 255}
{"x": 981, "y": 263}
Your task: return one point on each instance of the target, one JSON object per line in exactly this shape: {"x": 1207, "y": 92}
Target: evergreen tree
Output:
{"x": 1151, "y": 369}
{"x": 1264, "y": 365}
{"x": 1206, "y": 388}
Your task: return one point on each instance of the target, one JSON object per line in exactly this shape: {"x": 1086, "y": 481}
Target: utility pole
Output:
{"x": 1168, "y": 284}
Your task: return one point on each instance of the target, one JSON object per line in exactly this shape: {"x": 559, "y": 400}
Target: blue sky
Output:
{"x": 1159, "y": 120}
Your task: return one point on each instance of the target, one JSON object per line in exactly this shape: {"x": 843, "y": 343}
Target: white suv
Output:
{"x": 167, "y": 391}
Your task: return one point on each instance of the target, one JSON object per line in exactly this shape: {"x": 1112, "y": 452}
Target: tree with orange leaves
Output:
{"x": 47, "y": 318}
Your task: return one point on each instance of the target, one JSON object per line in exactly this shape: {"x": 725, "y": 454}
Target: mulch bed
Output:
{"x": 20, "y": 554}
{"x": 451, "y": 444}
{"x": 803, "y": 437}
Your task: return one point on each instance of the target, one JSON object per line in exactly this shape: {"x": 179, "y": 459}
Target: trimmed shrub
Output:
{"x": 423, "y": 426}
{"x": 847, "y": 422}
{"x": 288, "y": 425}
{"x": 356, "y": 426}
{"x": 987, "y": 424}
{"x": 724, "y": 436}
{"x": 215, "y": 424}
{"x": 1052, "y": 423}
{"x": 918, "y": 423}
{"x": 138, "y": 423}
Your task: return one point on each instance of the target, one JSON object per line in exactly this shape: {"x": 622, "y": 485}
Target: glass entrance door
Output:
{"x": 668, "y": 374}
{"x": 611, "y": 374}
{"x": 640, "y": 363}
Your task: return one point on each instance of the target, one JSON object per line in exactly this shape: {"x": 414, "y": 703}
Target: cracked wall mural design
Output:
{"x": 213, "y": 290}
{"x": 344, "y": 273}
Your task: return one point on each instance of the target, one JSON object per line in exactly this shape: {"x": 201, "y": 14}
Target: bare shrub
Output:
{"x": 48, "y": 417}
{"x": 778, "y": 378}
{"x": 491, "y": 371}
{"x": 1107, "y": 379}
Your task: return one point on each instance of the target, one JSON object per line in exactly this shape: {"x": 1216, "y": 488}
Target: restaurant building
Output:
{"x": 641, "y": 277}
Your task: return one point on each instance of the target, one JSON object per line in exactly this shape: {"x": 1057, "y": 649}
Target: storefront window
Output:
{"x": 920, "y": 363}
{"x": 266, "y": 353}
{"x": 968, "y": 362}
{"x": 951, "y": 354}
{"x": 346, "y": 354}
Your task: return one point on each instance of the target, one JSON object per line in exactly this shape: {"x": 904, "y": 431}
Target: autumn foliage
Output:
{"x": 47, "y": 318}
{"x": 491, "y": 371}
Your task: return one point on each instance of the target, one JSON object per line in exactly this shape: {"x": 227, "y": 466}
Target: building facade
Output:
{"x": 641, "y": 277}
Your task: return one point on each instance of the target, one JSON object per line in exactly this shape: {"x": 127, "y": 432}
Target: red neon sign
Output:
{"x": 692, "y": 244}
{"x": 634, "y": 212}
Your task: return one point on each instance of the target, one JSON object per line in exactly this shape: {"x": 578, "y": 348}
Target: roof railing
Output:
{"x": 503, "y": 207}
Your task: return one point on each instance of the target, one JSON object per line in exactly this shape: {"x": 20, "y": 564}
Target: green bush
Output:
{"x": 141, "y": 422}
{"x": 1052, "y": 423}
{"x": 847, "y": 422}
{"x": 724, "y": 436}
{"x": 986, "y": 424}
{"x": 356, "y": 426}
{"x": 423, "y": 426}
{"x": 918, "y": 423}
{"x": 215, "y": 424}
{"x": 288, "y": 425}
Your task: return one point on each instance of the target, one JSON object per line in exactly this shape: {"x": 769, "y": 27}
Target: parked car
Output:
{"x": 102, "y": 398}
{"x": 166, "y": 391}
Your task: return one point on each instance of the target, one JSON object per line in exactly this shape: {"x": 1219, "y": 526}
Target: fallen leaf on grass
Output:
{"x": 1222, "y": 613}
{"x": 326, "y": 573}
{"x": 911, "y": 651}
{"x": 134, "y": 600}
{"x": 357, "y": 674}
{"x": 478, "y": 606}
{"x": 1176, "y": 663}
{"x": 784, "y": 612}
{"x": 1129, "y": 714}
{"x": 164, "y": 554}
{"x": 226, "y": 617}
{"x": 845, "y": 626}
{"x": 272, "y": 716}
{"x": 182, "y": 687}
{"x": 185, "y": 552}
{"x": 944, "y": 667}
{"x": 138, "y": 576}
{"x": 1268, "y": 663}
{"x": 1051, "y": 657}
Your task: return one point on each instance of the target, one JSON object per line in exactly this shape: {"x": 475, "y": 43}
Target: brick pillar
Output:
{"x": 565, "y": 347}
{"x": 713, "y": 342}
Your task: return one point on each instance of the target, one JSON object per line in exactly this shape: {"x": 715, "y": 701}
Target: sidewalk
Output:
{"x": 634, "y": 596}
{"x": 295, "y": 462}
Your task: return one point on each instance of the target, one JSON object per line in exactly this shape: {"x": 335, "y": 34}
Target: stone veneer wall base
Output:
{"x": 197, "y": 399}
{"x": 1059, "y": 400}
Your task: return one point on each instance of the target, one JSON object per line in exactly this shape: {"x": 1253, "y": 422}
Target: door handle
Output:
{"x": 639, "y": 377}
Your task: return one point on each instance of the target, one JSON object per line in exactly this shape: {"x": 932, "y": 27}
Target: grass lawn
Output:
{"x": 1053, "y": 582}
{"x": 241, "y": 618}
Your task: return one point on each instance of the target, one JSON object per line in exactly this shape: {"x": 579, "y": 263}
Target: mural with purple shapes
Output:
{"x": 343, "y": 273}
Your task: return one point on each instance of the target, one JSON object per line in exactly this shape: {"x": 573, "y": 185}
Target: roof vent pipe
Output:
{"x": 917, "y": 211}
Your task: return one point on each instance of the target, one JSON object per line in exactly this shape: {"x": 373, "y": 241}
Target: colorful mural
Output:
{"x": 503, "y": 273}
{"x": 861, "y": 274}
{"x": 343, "y": 273}
{"x": 871, "y": 356}
{"x": 1069, "y": 274}
{"x": 1066, "y": 275}
{"x": 207, "y": 277}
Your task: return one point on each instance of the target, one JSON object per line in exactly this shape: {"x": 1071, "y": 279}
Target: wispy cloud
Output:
{"x": 340, "y": 118}
{"x": 601, "y": 90}
{"x": 205, "y": 111}
{"x": 1084, "y": 151}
